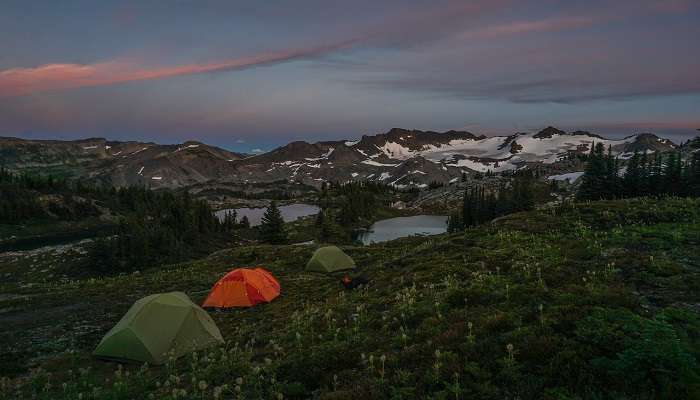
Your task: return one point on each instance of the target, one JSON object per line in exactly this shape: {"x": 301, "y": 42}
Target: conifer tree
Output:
{"x": 229, "y": 222}
{"x": 611, "y": 182}
{"x": 632, "y": 179}
{"x": 672, "y": 174}
{"x": 694, "y": 175}
{"x": 655, "y": 176}
{"x": 593, "y": 186}
{"x": 272, "y": 228}
{"x": 644, "y": 189}
{"x": 454, "y": 223}
{"x": 328, "y": 229}
{"x": 468, "y": 208}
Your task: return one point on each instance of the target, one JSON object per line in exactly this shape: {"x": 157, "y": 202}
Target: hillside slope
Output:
{"x": 595, "y": 300}
{"x": 120, "y": 163}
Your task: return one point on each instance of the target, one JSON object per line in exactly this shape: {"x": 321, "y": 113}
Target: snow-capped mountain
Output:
{"x": 399, "y": 157}
{"x": 403, "y": 157}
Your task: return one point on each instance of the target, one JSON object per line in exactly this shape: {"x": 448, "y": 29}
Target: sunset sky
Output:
{"x": 257, "y": 74}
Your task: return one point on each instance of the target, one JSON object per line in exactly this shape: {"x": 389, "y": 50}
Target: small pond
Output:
{"x": 394, "y": 228}
{"x": 290, "y": 212}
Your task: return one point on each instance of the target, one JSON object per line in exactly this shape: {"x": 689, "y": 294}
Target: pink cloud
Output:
{"x": 407, "y": 28}
{"x": 527, "y": 27}
{"x": 23, "y": 81}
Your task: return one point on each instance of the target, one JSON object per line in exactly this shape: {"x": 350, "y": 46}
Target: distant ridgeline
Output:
{"x": 400, "y": 157}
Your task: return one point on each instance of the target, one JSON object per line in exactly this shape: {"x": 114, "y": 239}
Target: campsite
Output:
{"x": 456, "y": 297}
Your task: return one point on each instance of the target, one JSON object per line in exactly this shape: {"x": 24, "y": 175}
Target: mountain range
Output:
{"x": 399, "y": 157}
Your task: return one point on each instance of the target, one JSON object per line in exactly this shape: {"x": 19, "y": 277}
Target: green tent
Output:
{"x": 157, "y": 327}
{"x": 330, "y": 259}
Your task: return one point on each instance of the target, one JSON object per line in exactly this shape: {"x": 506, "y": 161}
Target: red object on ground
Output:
{"x": 243, "y": 287}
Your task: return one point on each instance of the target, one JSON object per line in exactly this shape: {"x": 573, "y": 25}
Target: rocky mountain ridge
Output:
{"x": 399, "y": 157}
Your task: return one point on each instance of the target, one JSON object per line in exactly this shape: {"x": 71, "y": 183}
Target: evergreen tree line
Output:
{"x": 480, "y": 205}
{"x": 329, "y": 230}
{"x": 20, "y": 197}
{"x": 231, "y": 222}
{"x": 355, "y": 200}
{"x": 153, "y": 227}
{"x": 645, "y": 175}
{"x": 158, "y": 228}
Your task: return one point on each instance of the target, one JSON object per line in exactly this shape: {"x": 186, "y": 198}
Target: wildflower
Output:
{"x": 511, "y": 354}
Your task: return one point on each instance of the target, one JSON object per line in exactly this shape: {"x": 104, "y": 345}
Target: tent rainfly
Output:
{"x": 243, "y": 287}
{"x": 157, "y": 327}
{"x": 330, "y": 259}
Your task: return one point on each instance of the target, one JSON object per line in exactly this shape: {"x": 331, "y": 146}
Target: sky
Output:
{"x": 250, "y": 75}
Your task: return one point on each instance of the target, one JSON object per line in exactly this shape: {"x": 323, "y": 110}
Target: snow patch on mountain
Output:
{"x": 396, "y": 151}
{"x": 378, "y": 164}
{"x": 384, "y": 176}
{"x": 571, "y": 176}
{"x": 482, "y": 166}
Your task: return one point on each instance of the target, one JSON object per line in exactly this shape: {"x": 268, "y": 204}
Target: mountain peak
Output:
{"x": 649, "y": 142}
{"x": 548, "y": 132}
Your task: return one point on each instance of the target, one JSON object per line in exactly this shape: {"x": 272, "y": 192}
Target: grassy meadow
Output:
{"x": 594, "y": 300}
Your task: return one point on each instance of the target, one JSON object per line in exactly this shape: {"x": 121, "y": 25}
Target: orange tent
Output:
{"x": 243, "y": 287}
